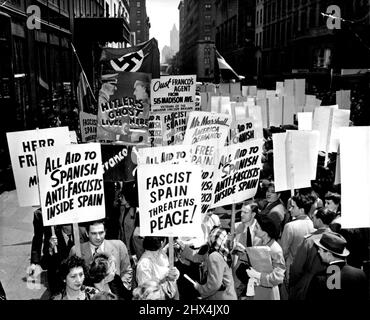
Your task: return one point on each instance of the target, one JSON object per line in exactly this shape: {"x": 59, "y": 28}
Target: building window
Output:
{"x": 322, "y": 58}
{"x": 207, "y": 61}
{"x": 207, "y": 6}
{"x": 138, "y": 4}
{"x": 138, "y": 12}
{"x": 207, "y": 38}
{"x": 138, "y": 22}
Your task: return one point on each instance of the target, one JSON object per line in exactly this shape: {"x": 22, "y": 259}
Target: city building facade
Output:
{"x": 197, "y": 38}
{"x": 235, "y": 35}
{"x": 139, "y": 21}
{"x": 293, "y": 37}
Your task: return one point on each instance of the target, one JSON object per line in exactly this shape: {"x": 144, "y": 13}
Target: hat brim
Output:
{"x": 345, "y": 252}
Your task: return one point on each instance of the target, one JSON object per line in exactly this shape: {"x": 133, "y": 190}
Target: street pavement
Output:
{"x": 16, "y": 231}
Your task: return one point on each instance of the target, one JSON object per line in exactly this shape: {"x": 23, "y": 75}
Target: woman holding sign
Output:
{"x": 220, "y": 283}
{"x": 154, "y": 265}
{"x": 267, "y": 269}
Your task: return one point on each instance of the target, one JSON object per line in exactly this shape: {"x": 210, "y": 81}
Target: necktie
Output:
{"x": 249, "y": 238}
{"x": 70, "y": 241}
{"x": 96, "y": 251}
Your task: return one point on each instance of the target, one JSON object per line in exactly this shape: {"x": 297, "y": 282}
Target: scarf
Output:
{"x": 217, "y": 242}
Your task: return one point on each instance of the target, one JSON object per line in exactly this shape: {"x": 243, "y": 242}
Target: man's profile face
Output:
{"x": 96, "y": 234}
{"x": 140, "y": 92}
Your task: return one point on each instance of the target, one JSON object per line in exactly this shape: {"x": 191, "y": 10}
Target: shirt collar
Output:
{"x": 101, "y": 248}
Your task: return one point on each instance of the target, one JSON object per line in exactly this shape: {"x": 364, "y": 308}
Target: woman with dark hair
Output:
{"x": 154, "y": 265}
{"x": 72, "y": 272}
{"x": 268, "y": 230}
{"x": 102, "y": 275}
{"x": 219, "y": 284}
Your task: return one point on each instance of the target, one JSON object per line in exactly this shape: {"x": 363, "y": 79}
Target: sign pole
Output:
{"x": 170, "y": 251}
{"x": 76, "y": 237}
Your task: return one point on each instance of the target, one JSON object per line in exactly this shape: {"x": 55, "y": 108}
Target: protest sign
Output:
{"x": 205, "y": 101}
{"x": 337, "y": 179}
{"x": 295, "y": 159}
{"x": 117, "y": 162}
{"x": 261, "y": 94}
{"x": 235, "y": 89}
{"x": 170, "y": 154}
{"x": 73, "y": 137}
{"x": 88, "y": 124}
{"x": 252, "y": 91}
{"x": 245, "y": 91}
{"x": 224, "y": 89}
{"x": 289, "y": 87}
{"x": 288, "y": 110}
{"x": 275, "y": 111}
{"x": 340, "y": 119}
{"x": 238, "y": 110}
{"x": 71, "y": 183}
{"x": 198, "y": 102}
{"x": 327, "y": 120}
{"x": 270, "y": 93}
{"x": 143, "y": 57}
{"x": 218, "y": 101}
{"x": 206, "y": 133}
{"x": 123, "y": 108}
{"x": 279, "y": 88}
{"x": 173, "y": 93}
{"x": 355, "y": 176}
{"x": 343, "y": 99}
{"x": 304, "y": 120}
{"x": 263, "y": 103}
{"x": 255, "y": 113}
{"x": 22, "y": 146}
{"x": 299, "y": 92}
{"x": 169, "y": 200}
{"x": 174, "y": 127}
{"x": 156, "y": 129}
{"x": 237, "y": 175}
{"x": 209, "y": 128}
{"x": 243, "y": 130}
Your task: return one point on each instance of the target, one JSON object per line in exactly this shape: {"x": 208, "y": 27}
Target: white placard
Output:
{"x": 178, "y": 154}
{"x": 88, "y": 123}
{"x": 22, "y": 146}
{"x": 288, "y": 110}
{"x": 173, "y": 93}
{"x": 275, "y": 111}
{"x": 355, "y": 176}
{"x": 71, "y": 183}
{"x": 304, "y": 120}
{"x": 295, "y": 159}
{"x": 236, "y": 178}
{"x": 169, "y": 200}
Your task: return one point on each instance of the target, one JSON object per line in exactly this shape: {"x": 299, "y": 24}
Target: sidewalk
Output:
{"x": 16, "y": 231}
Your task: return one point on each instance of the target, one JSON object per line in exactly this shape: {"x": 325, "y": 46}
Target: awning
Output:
{"x": 102, "y": 29}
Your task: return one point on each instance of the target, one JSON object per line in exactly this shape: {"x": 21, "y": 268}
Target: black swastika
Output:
{"x": 129, "y": 60}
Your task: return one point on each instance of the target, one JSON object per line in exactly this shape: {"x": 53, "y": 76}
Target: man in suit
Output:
{"x": 115, "y": 248}
{"x": 339, "y": 282}
{"x": 307, "y": 261}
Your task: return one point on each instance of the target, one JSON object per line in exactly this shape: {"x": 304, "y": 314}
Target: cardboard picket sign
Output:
{"x": 304, "y": 120}
{"x": 263, "y": 103}
{"x": 289, "y": 87}
{"x": 73, "y": 137}
{"x": 275, "y": 111}
{"x": 238, "y": 110}
{"x": 88, "y": 125}
{"x": 237, "y": 175}
{"x": 171, "y": 154}
{"x": 71, "y": 183}
{"x": 255, "y": 113}
{"x": 22, "y": 146}
{"x": 169, "y": 200}
{"x": 243, "y": 130}
{"x": 252, "y": 91}
{"x": 299, "y": 92}
{"x": 261, "y": 94}
{"x": 235, "y": 89}
{"x": 279, "y": 88}
{"x": 355, "y": 176}
{"x": 218, "y": 101}
{"x": 327, "y": 120}
{"x": 245, "y": 91}
{"x": 295, "y": 159}
{"x": 123, "y": 108}
{"x": 156, "y": 129}
{"x": 173, "y": 93}
{"x": 343, "y": 99}
{"x": 288, "y": 110}
{"x": 206, "y": 133}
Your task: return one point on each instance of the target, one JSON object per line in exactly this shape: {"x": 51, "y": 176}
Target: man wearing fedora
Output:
{"x": 339, "y": 282}
{"x": 306, "y": 261}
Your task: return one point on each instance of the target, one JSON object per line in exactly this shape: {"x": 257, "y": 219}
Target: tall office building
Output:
{"x": 139, "y": 21}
